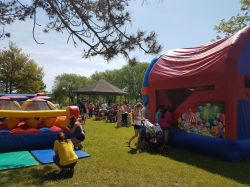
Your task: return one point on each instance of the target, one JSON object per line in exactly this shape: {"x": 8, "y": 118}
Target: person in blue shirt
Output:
{"x": 157, "y": 115}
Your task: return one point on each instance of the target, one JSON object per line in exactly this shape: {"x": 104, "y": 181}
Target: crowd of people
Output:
{"x": 65, "y": 156}
{"x": 141, "y": 113}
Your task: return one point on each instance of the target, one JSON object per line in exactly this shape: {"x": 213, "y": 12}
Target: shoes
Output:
{"x": 80, "y": 147}
{"x": 62, "y": 171}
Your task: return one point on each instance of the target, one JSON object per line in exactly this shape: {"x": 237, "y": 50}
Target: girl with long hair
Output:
{"x": 164, "y": 122}
{"x": 76, "y": 128}
{"x": 137, "y": 124}
{"x": 65, "y": 156}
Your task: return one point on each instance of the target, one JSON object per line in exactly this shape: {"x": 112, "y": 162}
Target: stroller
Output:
{"x": 152, "y": 137}
{"x": 110, "y": 117}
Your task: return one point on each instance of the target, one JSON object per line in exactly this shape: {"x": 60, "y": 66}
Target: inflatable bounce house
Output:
{"x": 32, "y": 123}
{"x": 208, "y": 90}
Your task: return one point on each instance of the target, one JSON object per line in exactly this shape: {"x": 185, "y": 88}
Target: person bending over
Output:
{"x": 164, "y": 122}
{"x": 65, "y": 156}
{"x": 76, "y": 128}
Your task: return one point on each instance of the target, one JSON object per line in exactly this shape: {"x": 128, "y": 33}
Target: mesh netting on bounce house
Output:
{"x": 208, "y": 90}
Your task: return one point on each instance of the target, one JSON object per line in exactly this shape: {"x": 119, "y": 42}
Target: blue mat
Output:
{"x": 45, "y": 156}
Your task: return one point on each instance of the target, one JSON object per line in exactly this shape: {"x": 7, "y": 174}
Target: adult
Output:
{"x": 164, "y": 122}
{"x": 104, "y": 106}
{"x": 115, "y": 111}
{"x": 137, "y": 124}
{"x": 97, "y": 104}
{"x": 65, "y": 156}
{"x": 128, "y": 109}
{"x": 61, "y": 105}
{"x": 123, "y": 111}
{"x": 145, "y": 112}
{"x": 91, "y": 108}
{"x": 71, "y": 103}
{"x": 127, "y": 112}
{"x": 97, "y": 107}
{"x": 76, "y": 128}
{"x": 83, "y": 111}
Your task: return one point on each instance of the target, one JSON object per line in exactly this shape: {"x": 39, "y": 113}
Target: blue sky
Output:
{"x": 179, "y": 24}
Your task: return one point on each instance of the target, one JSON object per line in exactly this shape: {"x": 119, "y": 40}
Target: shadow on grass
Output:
{"x": 238, "y": 171}
{"x": 39, "y": 176}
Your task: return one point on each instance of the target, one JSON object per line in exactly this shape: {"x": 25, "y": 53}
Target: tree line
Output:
{"x": 22, "y": 75}
{"x": 18, "y": 73}
{"x": 128, "y": 78}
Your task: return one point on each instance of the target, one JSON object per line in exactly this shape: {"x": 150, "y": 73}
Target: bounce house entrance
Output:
{"x": 175, "y": 97}
{"x": 172, "y": 97}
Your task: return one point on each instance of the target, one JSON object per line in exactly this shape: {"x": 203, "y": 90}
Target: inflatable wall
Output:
{"x": 21, "y": 128}
{"x": 208, "y": 90}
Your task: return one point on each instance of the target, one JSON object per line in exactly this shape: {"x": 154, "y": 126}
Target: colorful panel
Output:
{"x": 205, "y": 118}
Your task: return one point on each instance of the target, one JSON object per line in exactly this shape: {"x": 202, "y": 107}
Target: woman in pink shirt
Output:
{"x": 164, "y": 121}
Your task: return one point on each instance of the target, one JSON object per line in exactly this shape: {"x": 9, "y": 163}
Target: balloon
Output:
{"x": 215, "y": 108}
{"x": 208, "y": 105}
{"x": 207, "y": 125}
{"x": 200, "y": 108}
{"x": 183, "y": 123}
{"x": 220, "y": 125}
{"x": 215, "y": 122}
{"x": 222, "y": 117}
{"x": 198, "y": 114}
{"x": 179, "y": 120}
{"x": 185, "y": 115}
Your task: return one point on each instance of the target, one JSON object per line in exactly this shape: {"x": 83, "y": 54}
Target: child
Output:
{"x": 119, "y": 118}
{"x": 104, "y": 115}
{"x": 99, "y": 115}
{"x": 129, "y": 120}
{"x": 157, "y": 115}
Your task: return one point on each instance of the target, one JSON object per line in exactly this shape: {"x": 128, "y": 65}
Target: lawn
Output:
{"x": 113, "y": 164}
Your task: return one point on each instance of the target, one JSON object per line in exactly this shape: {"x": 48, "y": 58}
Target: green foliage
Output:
{"x": 101, "y": 25}
{"x": 18, "y": 73}
{"x": 65, "y": 84}
{"x": 235, "y": 23}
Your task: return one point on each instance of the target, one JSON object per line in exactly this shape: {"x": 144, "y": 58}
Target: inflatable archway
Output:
{"x": 208, "y": 90}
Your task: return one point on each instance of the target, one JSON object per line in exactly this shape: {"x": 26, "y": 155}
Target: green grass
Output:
{"x": 113, "y": 164}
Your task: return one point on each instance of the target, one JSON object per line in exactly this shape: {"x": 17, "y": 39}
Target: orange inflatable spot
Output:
{"x": 144, "y": 90}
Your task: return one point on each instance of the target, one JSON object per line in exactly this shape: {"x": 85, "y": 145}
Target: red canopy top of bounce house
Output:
{"x": 220, "y": 66}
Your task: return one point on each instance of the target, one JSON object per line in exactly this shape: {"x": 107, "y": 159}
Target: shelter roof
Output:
{"x": 101, "y": 87}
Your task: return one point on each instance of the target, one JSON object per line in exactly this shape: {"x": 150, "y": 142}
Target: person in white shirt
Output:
{"x": 104, "y": 106}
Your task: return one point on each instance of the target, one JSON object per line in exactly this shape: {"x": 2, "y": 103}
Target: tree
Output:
{"x": 18, "y": 73}
{"x": 235, "y": 23}
{"x": 65, "y": 84}
{"x": 99, "y": 24}
{"x": 132, "y": 78}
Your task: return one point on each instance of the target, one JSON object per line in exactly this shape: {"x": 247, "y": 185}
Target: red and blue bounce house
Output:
{"x": 208, "y": 90}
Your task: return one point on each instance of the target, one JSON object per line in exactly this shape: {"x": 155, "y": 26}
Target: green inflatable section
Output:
{"x": 16, "y": 159}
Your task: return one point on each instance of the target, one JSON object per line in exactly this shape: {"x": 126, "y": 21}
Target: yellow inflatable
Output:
{"x": 31, "y": 114}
